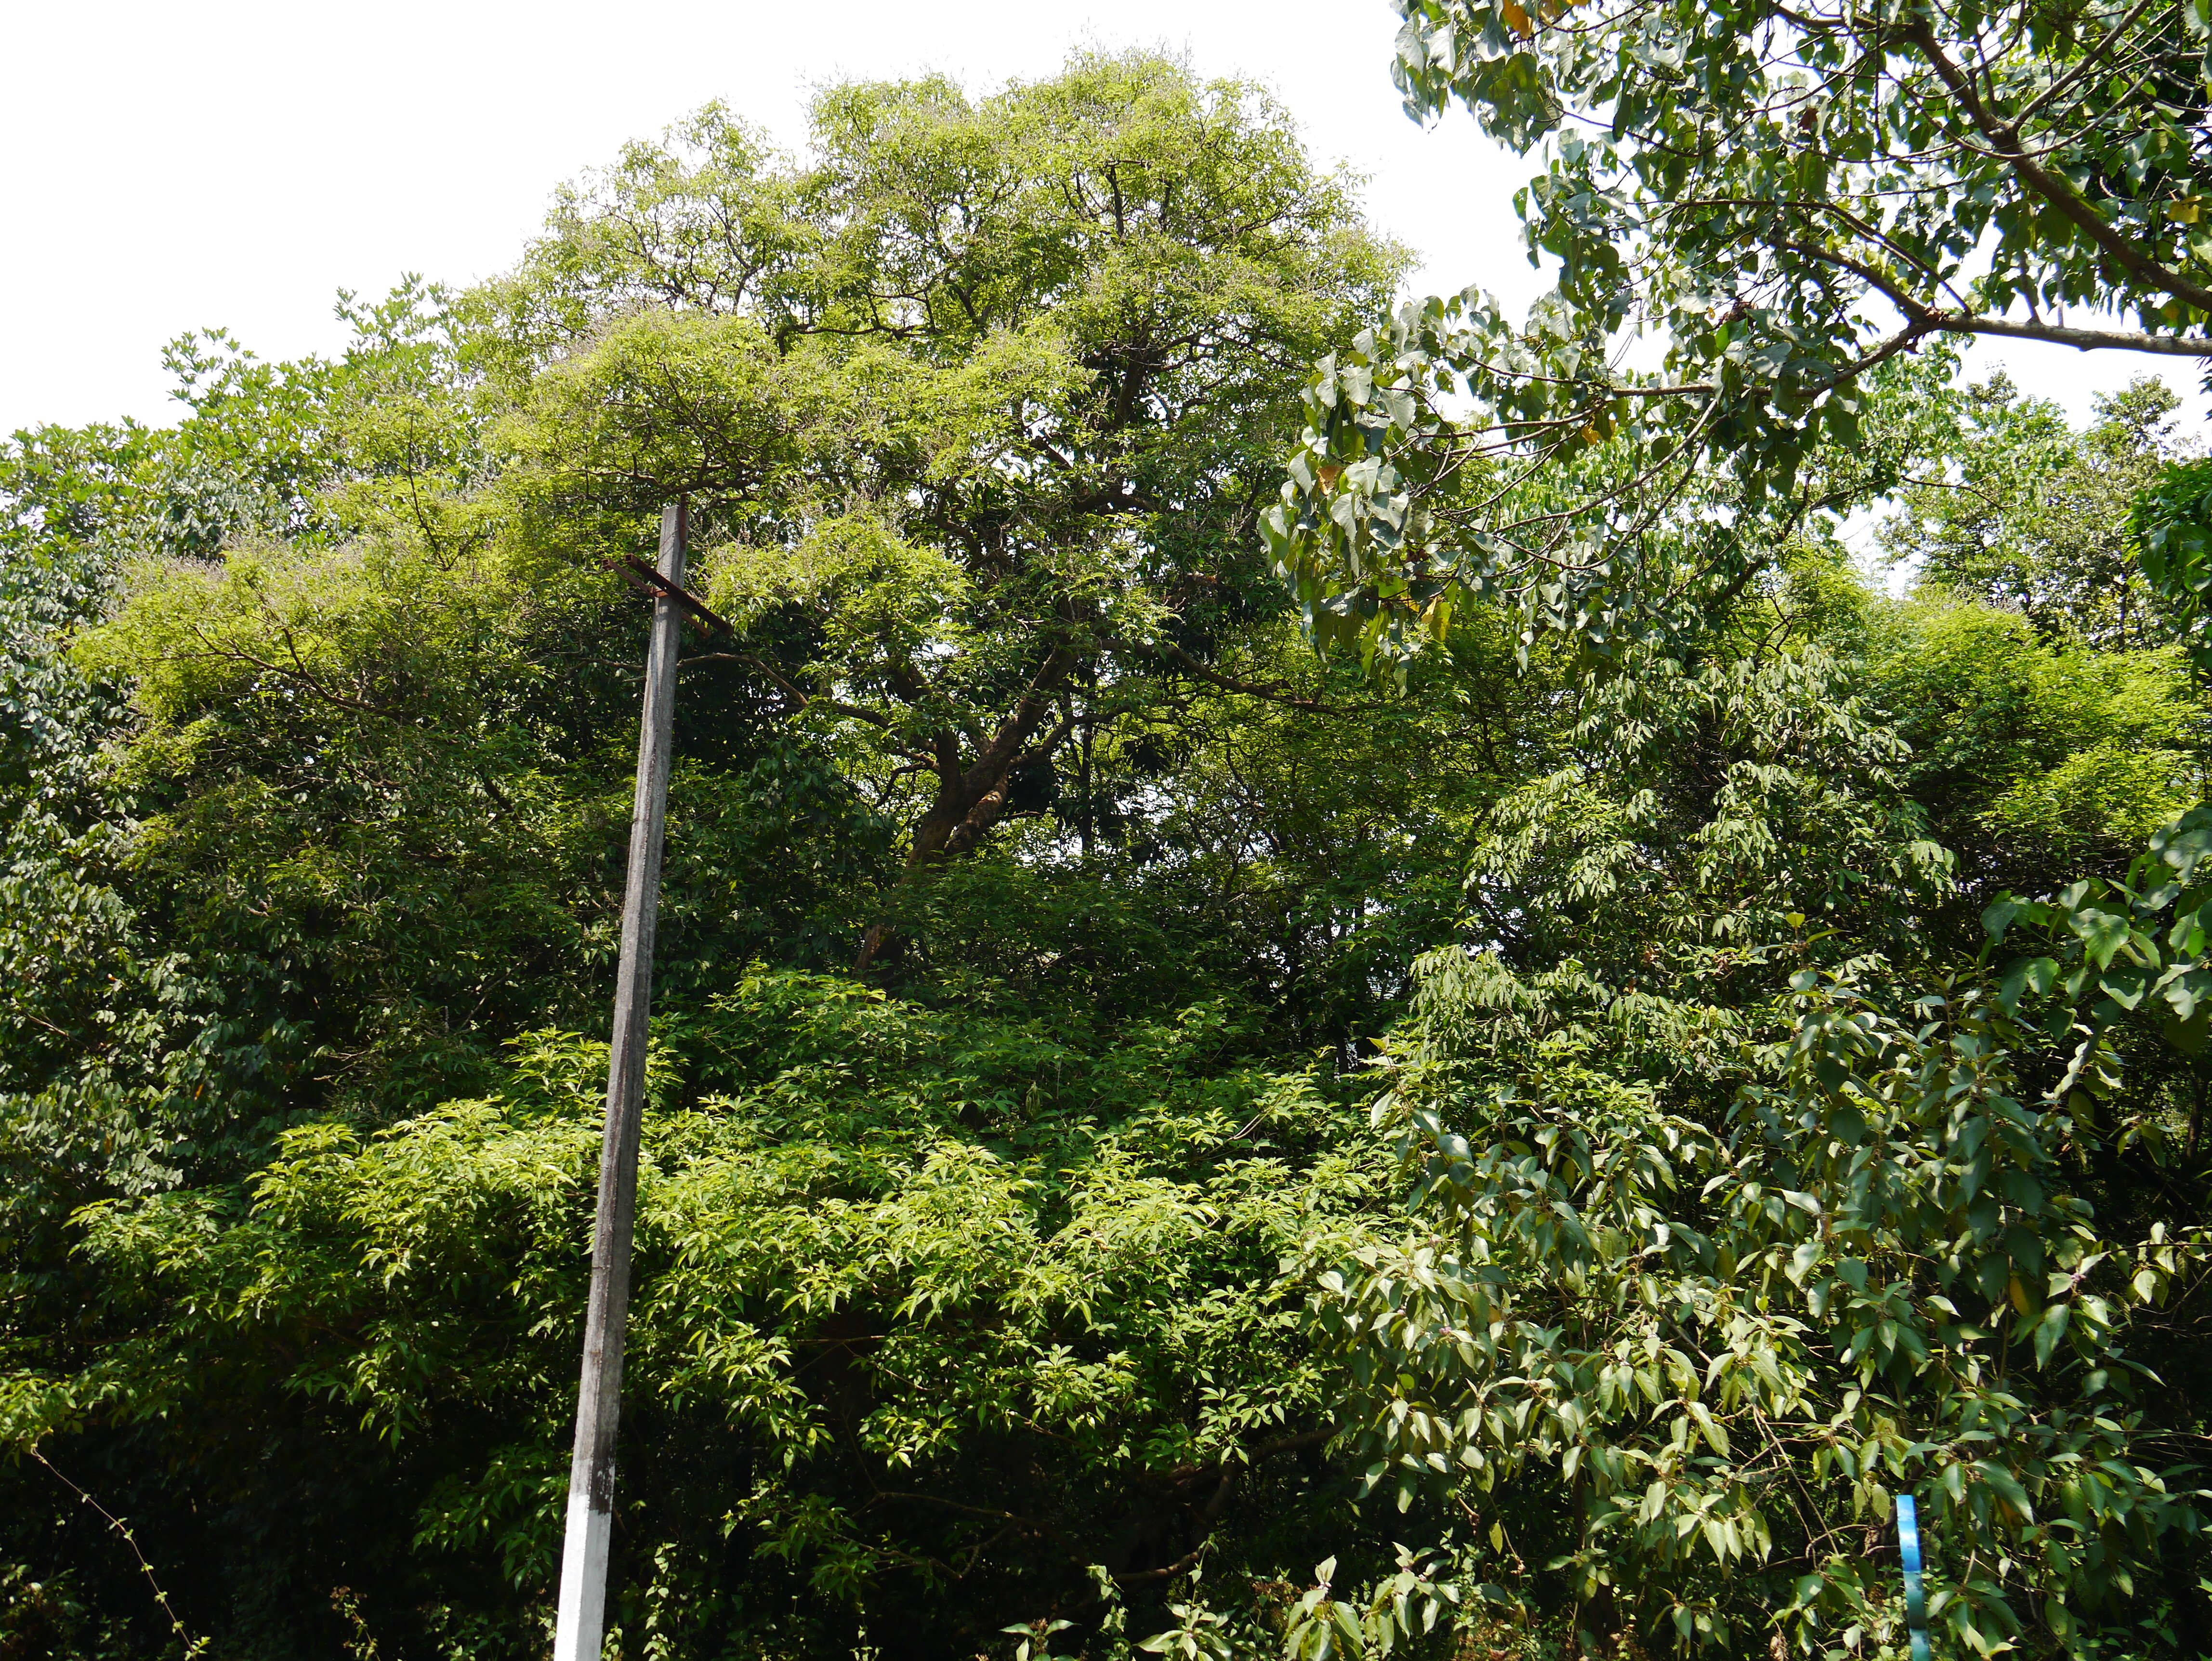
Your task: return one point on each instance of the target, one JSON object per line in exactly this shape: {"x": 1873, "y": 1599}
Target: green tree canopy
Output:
{"x": 1795, "y": 1057}
{"x": 978, "y": 400}
{"x": 1772, "y": 201}
{"x": 2030, "y": 514}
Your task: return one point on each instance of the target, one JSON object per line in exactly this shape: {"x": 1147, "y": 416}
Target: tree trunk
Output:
{"x": 971, "y": 799}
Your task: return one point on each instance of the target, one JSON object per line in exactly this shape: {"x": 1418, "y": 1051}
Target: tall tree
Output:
{"x": 980, "y": 398}
{"x": 2029, "y": 513}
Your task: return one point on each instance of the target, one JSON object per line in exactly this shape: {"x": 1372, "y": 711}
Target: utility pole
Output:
{"x": 599, "y": 1400}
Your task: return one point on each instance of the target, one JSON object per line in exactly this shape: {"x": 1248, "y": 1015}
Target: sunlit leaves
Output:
{"x": 1752, "y": 208}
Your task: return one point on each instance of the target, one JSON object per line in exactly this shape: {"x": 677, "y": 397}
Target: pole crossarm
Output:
{"x": 647, "y": 580}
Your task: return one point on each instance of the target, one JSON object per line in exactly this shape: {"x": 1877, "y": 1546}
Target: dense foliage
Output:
{"x": 1747, "y": 208}
{"x": 1155, "y": 1137}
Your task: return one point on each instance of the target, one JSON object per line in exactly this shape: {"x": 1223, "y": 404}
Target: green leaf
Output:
{"x": 2007, "y": 1488}
{"x": 2038, "y": 974}
{"x": 2102, "y": 933}
{"x": 2049, "y": 1330}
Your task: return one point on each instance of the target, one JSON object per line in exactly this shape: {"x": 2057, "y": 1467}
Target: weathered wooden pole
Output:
{"x": 599, "y": 1400}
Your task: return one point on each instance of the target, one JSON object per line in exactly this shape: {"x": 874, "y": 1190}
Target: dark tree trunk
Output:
{"x": 970, "y": 799}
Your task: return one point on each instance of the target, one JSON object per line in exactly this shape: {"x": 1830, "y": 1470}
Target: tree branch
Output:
{"x": 800, "y": 700}
{"x": 2005, "y": 139}
{"x": 1191, "y": 666}
{"x": 1949, "y": 322}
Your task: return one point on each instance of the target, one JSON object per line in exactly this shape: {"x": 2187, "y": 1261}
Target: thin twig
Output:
{"x": 193, "y": 1646}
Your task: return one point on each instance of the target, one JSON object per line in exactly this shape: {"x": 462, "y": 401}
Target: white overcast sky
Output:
{"x": 221, "y": 163}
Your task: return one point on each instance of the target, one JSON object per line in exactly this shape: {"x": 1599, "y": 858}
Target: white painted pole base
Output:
{"x": 583, "y": 1582}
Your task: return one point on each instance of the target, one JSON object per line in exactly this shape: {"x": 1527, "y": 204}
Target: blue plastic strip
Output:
{"x": 1915, "y": 1598}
